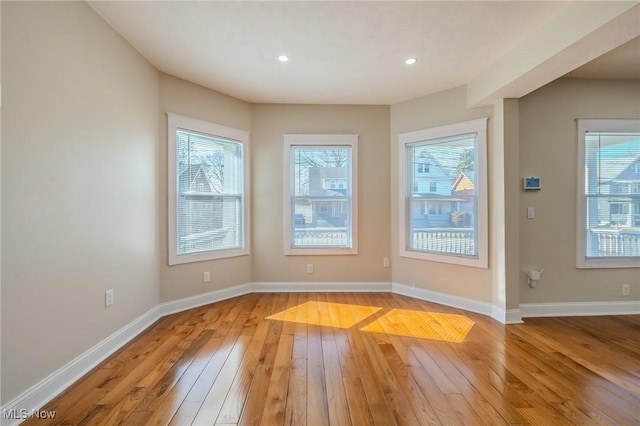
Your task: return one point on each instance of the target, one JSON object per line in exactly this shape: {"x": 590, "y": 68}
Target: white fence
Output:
{"x": 617, "y": 243}
{"x": 444, "y": 240}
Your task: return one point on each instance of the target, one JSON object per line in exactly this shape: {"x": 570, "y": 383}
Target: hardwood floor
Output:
{"x": 228, "y": 364}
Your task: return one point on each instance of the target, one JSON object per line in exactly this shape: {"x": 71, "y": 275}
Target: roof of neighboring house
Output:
{"x": 426, "y": 157}
{"x": 327, "y": 172}
{"x": 194, "y": 174}
{"x": 320, "y": 192}
{"x": 463, "y": 183}
{"x": 619, "y": 168}
{"x": 317, "y": 174}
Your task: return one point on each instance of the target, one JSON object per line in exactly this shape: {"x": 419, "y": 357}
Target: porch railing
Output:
{"x": 324, "y": 237}
{"x": 444, "y": 240}
{"x": 617, "y": 243}
{"x": 202, "y": 241}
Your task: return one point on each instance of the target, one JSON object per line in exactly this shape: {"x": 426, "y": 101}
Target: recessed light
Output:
{"x": 411, "y": 61}
{"x": 283, "y": 58}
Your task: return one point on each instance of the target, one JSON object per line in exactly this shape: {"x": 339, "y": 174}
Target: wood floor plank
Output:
{"x": 274, "y": 389}
{"x": 236, "y": 396}
{"x": 317, "y": 410}
{"x": 336, "y": 395}
{"x": 228, "y": 363}
{"x": 296, "y": 408}
{"x": 260, "y": 385}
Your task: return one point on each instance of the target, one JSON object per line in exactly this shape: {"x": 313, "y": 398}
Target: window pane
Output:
{"x": 612, "y": 177}
{"x": 209, "y": 193}
{"x": 321, "y": 196}
{"x": 442, "y": 196}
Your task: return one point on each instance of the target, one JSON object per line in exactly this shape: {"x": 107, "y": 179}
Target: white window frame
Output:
{"x": 291, "y": 140}
{"x": 596, "y": 125}
{"x": 189, "y": 124}
{"x": 479, "y": 127}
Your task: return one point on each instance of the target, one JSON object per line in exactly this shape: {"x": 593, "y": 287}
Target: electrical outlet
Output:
{"x": 626, "y": 289}
{"x": 108, "y": 297}
{"x": 206, "y": 277}
{"x": 385, "y": 262}
{"x": 309, "y": 268}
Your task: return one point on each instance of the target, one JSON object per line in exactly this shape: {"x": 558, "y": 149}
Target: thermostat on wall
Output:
{"x": 531, "y": 183}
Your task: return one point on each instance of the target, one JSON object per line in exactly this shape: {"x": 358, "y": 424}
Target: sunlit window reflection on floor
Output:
{"x": 398, "y": 322}
{"x": 338, "y": 315}
{"x": 424, "y": 325}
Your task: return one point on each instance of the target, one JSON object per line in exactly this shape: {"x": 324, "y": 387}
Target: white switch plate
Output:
{"x": 385, "y": 262}
{"x": 206, "y": 277}
{"x": 531, "y": 212}
{"x": 310, "y": 268}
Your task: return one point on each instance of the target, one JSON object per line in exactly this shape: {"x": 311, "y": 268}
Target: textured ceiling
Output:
{"x": 340, "y": 52}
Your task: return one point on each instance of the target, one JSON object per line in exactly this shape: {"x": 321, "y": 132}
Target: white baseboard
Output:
{"x": 513, "y": 316}
{"x": 44, "y": 391}
{"x": 472, "y": 305}
{"x": 568, "y": 309}
{"x": 320, "y": 287}
{"x": 175, "y": 306}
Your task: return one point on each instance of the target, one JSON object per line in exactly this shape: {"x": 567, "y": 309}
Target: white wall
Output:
{"x": 79, "y": 186}
{"x": 548, "y": 148}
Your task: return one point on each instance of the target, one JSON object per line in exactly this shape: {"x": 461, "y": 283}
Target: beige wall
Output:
{"x": 438, "y": 109}
{"x": 181, "y": 97}
{"x": 79, "y": 186}
{"x": 371, "y": 123}
{"x": 548, "y": 148}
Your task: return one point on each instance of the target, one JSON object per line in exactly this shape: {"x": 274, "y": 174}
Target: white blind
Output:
{"x": 612, "y": 194}
{"x": 209, "y": 189}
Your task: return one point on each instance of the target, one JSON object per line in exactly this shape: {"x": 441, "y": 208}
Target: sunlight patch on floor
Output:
{"x": 423, "y": 325}
{"x": 338, "y": 315}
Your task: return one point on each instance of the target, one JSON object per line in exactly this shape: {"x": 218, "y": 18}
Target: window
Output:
{"x": 423, "y": 167}
{"x": 449, "y": 223}
{"x": 320, "y": 186}
{"x": 334, "y": 183}
{"x": 617, "y": 208}
{"x": 207, "y": 191}
{"x": 608, "y": 235}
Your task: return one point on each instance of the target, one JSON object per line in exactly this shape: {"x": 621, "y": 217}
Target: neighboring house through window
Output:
{"x": 608, "y": 231}
{"x": 320, "y": 194}
{"x": 207, "y": 190}
{"x": 443, "y": 216}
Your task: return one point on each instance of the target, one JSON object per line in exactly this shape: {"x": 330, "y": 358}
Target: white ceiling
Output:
{"x": 346, "y": 52}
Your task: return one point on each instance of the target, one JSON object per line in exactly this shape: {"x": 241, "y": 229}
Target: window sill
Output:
{"x": 210, "y": 255}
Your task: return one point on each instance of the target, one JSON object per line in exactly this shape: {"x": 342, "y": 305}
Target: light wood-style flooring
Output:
{"x": 362, "y": 359}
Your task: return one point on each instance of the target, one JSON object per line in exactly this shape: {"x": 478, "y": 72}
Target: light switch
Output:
{"x": 531, "y": 212}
